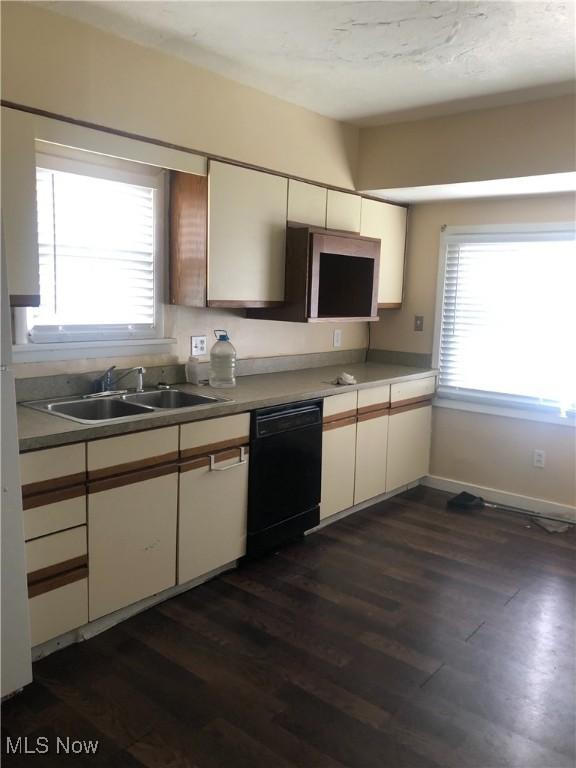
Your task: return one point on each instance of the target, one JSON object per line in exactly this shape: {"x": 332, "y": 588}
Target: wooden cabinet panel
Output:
{"x": 343, "y": 211}
{"x": 212, "y": 520}
{"x": 412, "y": 390}
{"x": 371, "y": 447}
{"x": 52, "y": 463}
{"x": 132, "y": 543}
{"x": 153, "y": 446}
{"x": 19, "y": 217}
{"x": 387, "y": 222}
{"x": 306, "y": 203}
{"x": 202, "y": 437}
{"x": 408, "y": 446}
{"x": 50, "y": 518}
{"x": 246, "y": 236}
{"x": 337, "y": 405}
{"x": 188, "y": 238}
{"x": 338, "y": 459}
{"x": 58, "y": 611}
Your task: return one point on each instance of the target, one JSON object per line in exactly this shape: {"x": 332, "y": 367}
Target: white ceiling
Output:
{"x": 526, "y": 185}
{"x": 366, "y": 62}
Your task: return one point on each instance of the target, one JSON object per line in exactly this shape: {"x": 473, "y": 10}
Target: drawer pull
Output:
{"x": 241, "y": 460}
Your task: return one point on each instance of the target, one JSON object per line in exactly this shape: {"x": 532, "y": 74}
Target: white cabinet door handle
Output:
{"x": 214, "y": 468}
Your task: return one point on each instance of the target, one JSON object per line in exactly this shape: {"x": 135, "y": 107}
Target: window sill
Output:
{"x": 494, "y": 409}
{"x": 75, "y": 350}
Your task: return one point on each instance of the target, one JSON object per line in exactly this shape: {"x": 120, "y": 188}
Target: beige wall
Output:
{"x": 475, "y": 448}
{"x": 505, "y": 142}
{"x": 58, "y": 64}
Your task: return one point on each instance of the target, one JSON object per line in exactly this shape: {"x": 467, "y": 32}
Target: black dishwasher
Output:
{"x": 284, "y": 475}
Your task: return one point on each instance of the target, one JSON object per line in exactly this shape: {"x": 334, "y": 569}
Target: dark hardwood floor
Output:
{"x": 404, "y": 636}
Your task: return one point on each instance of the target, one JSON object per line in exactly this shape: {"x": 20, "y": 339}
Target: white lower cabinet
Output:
{"x": 213, "y": 510}
{"x": 132, "y": 540}
{"x": 338, "y": 459}
{"x": 409, "y": 434}
{"x": 371, "y": 450}
{"x": 58, "y": 611}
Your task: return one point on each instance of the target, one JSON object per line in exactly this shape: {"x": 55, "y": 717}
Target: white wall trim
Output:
{"x": 528, "y": 504}
{"x": 76, "y": 350}
{"x": 510, "y": 412}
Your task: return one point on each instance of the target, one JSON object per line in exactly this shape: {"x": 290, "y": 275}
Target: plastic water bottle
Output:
{"x": 222, "y": 361}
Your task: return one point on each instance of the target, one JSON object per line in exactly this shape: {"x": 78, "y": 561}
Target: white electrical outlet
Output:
{"x": 198, "y": 346}
{"x": 337, "y": 341}
{"x": 539, "y": 457}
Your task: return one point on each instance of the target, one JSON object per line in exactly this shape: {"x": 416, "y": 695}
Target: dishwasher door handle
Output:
{"x": 241, "y": 460}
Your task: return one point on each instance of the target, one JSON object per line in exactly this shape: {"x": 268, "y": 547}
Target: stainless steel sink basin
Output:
{"x": 97, "y": 410}
{"x": 115, "y": 406}
{"x": 169, "y": 398}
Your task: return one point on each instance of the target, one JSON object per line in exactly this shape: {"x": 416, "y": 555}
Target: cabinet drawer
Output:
{"x": 49, "y": 518}
{"x": 55, "y": 549}
{"x": 373, "y": 399}
{"x": 115, "y": 455}
{"x": 58, "y": 611}
{"x": 340, "y": 406}
{"x": 204, "y": 437}
{"x": 213, "y": 511}
{"x": 412, "y": 391}
{"x": 52, "y": 468}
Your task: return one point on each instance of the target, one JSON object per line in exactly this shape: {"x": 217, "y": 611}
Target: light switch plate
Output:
{"x": 418, "y": 323}
{"x": 198, "y": 346}
{"x": 337, "y": 340}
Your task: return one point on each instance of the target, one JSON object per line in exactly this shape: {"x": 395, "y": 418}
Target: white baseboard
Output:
{"x": 541, "y": 507}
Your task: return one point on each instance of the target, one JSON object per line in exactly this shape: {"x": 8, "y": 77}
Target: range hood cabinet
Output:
{"x": 330, "y": 275}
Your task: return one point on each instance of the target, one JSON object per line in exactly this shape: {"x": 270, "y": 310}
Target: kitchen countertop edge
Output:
{"x": 35, "y": 427}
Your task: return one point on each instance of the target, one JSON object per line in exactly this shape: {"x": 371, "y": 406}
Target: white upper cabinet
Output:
{"x": 343, "y": 211}
{"x": 387, "y": 222}
{"x": 246, "y": 236}
{"x": 19, "y": 223}
{"x": 306, "y": 203}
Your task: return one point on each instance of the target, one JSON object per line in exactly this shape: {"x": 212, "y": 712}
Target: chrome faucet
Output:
{"x": 140, "y": 371}
{"x": 106, "y": 382}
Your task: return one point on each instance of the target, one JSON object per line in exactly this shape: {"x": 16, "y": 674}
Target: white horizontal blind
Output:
{"x": 508, "y": 323}
{"x": 96, "y": 240}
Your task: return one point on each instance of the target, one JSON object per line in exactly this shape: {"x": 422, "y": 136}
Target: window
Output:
{"x": 507, "y": 324}
{"x": 99, "y": 234}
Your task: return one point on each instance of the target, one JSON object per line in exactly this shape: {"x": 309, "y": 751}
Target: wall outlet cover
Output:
{"x": 337, "y": 341}
{"x": 198, "y": 346}
{"x": 539, "y": 457}
{"x": 418, "y": 323}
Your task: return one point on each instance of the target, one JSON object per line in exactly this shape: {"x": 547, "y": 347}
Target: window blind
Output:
{"x": 508, "y": 320}
{"x": 96, "y": 243}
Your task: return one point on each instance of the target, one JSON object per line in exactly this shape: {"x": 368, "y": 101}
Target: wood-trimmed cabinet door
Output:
{"x": 132, "y": 541}
{"x": 387, "y": 222}
{"x": 246, "y": 236}
{"x": 338, "y": 459}
{"x": 409, "y": 434}
{"x": 213, "y": 511}
{"x": 371, "y": 448}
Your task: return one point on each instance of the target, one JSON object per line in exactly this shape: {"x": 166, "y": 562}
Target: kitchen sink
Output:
{"x": 97, "y": 410}
{"x": 121, "y": 405}
{"x": 168, "y": 398}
